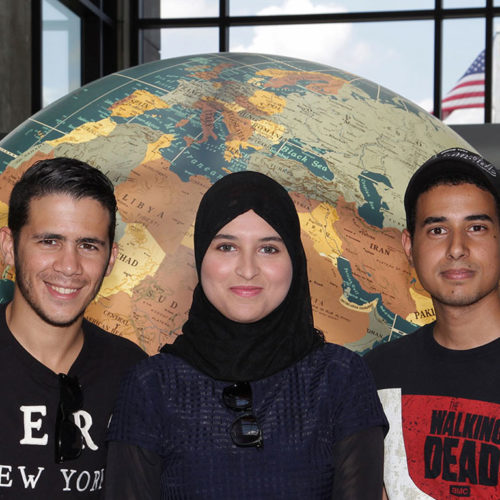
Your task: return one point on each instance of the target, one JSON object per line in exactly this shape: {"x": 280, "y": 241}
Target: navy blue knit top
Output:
{"x": 169, "y": 408}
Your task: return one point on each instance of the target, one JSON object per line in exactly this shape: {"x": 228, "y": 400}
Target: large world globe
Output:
{"x": 343, "y": 147}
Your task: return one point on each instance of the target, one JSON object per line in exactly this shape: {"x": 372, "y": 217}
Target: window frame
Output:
{"x": 98, "y": 42}
{"x": 439, "y": 14}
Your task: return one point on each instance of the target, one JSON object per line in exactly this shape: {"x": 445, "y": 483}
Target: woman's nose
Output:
{"x": 247, "y": 266}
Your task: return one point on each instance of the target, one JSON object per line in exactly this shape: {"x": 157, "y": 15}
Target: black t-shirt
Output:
{"x": 443, "y": 407}
{"x": 29, "y": 395}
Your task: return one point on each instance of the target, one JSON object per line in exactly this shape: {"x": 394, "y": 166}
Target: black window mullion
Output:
{"x": 223, "y": 26}
{"x": 438, "y": 57}
{"x": 488, "y": 61}
{"x": 36, "y": 59}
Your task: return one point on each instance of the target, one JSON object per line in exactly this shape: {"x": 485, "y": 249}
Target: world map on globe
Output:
{"x": 164, "y": 132}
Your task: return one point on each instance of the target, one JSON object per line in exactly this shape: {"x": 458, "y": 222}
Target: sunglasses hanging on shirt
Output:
{"x": 69, "y": 439}
{"x": 245, "y": 430}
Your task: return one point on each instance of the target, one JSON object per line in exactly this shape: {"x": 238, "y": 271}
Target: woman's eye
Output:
{"x": 225, "y": 247}
{"x": 269, "y": 249}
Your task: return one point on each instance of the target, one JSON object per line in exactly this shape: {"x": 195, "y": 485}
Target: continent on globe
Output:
{"x": 344, "y": 148}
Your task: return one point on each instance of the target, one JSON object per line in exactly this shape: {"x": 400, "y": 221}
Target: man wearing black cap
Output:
{"x": 440, "y": 386}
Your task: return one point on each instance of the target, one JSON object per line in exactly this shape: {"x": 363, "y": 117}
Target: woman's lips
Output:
{"x": 246, "y": 291}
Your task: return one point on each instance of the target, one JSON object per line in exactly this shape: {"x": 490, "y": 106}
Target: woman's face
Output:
{"x": 246, "y": 271}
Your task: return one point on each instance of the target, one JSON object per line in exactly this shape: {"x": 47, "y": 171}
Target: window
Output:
{"x": 61, "y": 52}
{"x": 73, "y": 43}
{"x": 417, "y": 48}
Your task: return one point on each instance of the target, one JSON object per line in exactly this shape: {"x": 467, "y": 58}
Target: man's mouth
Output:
{"x": 62, "y": 290}
{"x": 457, "y": 274}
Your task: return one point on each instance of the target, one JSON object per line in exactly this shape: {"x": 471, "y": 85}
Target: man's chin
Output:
{"x": 60, "y": 321}
{"x": 459, "y": 300}
{"x": 62, "y": 324}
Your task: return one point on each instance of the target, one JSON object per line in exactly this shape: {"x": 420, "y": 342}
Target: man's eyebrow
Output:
{"x": 479, "y": 217}
{"x": 48, "y": 236}
{"x": 60, "y": 237}
{"x": 472, "y": 217}
{"x": 94, "y": 241}
{"x": 433, "y": 220}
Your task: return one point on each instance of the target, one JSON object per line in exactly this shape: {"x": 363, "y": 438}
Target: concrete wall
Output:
{"x": 151, "y": 39}
{"x": 485, "y": 138}
{"x": 15, "y": 63}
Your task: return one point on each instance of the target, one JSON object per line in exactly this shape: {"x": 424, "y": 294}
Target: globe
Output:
{"x": 344, "y": 148}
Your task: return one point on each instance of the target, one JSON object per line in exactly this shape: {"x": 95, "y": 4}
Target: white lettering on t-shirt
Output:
{"x": 67, "y": 477}
{"x": 83, "y": 420}
{"x": 5, "y": 479}
{"x": 30, "y": 479}
{"x": 86, "y": 476}
{"x": 83, "y": 480}
{"x": 98, "y": 480}
{"x": 30, "y": 424}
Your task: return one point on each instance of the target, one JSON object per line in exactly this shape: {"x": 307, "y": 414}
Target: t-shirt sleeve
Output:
{"x": 359, "y": 407}
{"x": 136, "y": 417}
{"x": 375, "y": 360}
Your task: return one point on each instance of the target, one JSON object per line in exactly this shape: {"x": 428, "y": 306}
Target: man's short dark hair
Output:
{"x": 60, "y": 176}
{"x": 452, "y": 167}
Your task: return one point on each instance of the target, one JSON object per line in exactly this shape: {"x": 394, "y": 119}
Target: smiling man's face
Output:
{"x": 61, "y": 257}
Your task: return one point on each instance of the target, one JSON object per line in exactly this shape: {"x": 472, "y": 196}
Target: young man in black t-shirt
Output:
{"x": 59, "y": 372}
{"x": 440, "y": 385}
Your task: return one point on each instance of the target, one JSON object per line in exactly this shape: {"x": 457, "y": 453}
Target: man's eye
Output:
{"x": 48, "y": 242}
{"x": 478, "y": 227}
{"x": 88, "y": 246}
{"x": 437, "y": 231}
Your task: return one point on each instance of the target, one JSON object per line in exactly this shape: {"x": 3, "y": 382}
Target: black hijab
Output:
{"x": 232, "y": 351}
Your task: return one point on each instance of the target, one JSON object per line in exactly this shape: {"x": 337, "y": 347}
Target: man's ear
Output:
{"x": 406, "y": 242}
{"x": 112, "y": 258}
{"x": 7, "y": 245}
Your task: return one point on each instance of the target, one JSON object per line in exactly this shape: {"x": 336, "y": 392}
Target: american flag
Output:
{"x": 469, "y": 90}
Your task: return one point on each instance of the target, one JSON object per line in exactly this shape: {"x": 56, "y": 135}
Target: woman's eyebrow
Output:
{"x": 222, "y": 236}
{"x": 272, "y": 238}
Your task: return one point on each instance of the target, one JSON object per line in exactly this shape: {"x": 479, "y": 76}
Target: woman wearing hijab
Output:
{"x": 250, "y": 402}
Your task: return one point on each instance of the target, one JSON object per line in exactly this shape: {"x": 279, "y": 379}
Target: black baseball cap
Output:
{"x": 451, "y": 161}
